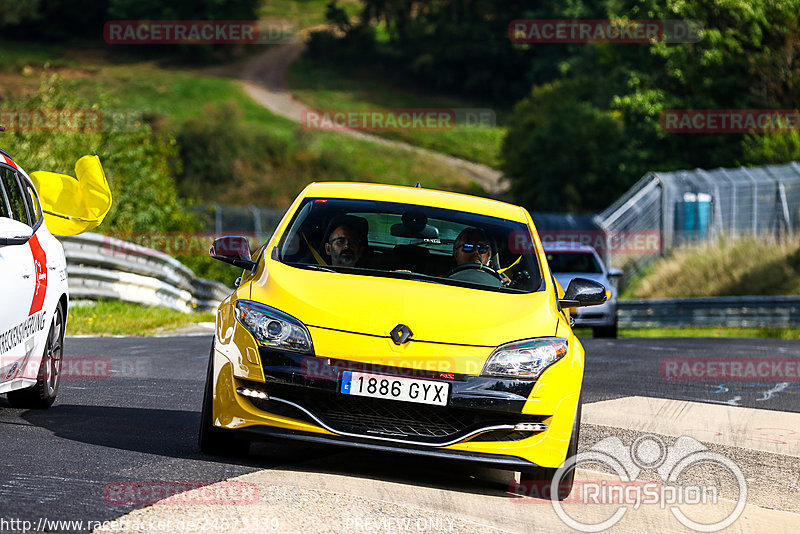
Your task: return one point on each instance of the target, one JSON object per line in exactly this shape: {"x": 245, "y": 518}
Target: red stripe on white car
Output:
{"x": 40, "y": 266}
{"x": 4, "y": 159}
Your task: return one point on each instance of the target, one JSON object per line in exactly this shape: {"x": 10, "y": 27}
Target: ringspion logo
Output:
{"x": 674, "y": 491}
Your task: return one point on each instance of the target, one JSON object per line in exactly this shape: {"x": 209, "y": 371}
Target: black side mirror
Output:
{"x": 583, "y": 292}
{"x": 234, "y": 249}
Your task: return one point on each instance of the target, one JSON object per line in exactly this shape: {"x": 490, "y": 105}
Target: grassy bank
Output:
{"x": 304, "y": 13}
{"x": 747, "y": 266}
{"x": 268, "y": 159}
{"x": 122, "y": 318}
{"x": 326, "y": 87}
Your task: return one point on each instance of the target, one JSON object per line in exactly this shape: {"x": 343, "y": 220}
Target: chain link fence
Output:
{"x": 246, "y": 220}
{"x": 691, "y": 206}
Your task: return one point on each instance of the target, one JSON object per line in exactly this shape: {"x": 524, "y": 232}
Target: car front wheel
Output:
{"x": 214, "y": 440}
{"x": 537, "y": 481}
{"x": 605, "y": 331}
{"x": 42, "y": 394}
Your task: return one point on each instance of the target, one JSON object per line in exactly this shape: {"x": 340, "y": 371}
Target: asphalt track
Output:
{"x": 139, "y": 422}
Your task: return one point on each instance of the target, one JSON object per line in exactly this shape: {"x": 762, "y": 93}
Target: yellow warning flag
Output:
{"x": 74, "y": 205}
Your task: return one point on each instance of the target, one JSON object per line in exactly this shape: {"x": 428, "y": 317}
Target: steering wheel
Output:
{"x": 479, "y": 266}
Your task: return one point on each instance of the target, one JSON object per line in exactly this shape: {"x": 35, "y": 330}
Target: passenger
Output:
{"x": 347, "y": 241}
{"x": 473, "y": 246}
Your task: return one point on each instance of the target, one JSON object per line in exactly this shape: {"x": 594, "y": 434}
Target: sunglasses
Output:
{"x": 340, "y": 241}
{"x": 469, "y": 247}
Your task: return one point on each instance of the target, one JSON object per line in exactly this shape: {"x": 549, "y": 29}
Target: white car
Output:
{"x": 33, "y": 294}
{"x": 570, "y": 260}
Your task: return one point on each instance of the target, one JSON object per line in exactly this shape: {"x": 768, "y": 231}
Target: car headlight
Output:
{"x": 273, "y": 328}
{"x": 525, "y": 359}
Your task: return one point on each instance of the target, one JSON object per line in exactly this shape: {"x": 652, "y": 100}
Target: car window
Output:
{"x": 15, "y": 196}
{"x": 5, "y": 206}
{"x": 409, "y": 241}
{"x": 573, "y": 262}
{"x": 33, "y": 203}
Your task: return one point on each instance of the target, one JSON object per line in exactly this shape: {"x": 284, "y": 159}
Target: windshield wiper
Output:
{"x": 313, "y": 267}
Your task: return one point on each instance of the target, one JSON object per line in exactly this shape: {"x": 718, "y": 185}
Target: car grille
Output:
{"x": 394, "y": 418}
{"x": 387, "y": 418}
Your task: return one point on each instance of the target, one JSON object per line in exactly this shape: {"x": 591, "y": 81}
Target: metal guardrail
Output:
{"x": 103, "y": 267}
{"x": 746, "y": 312}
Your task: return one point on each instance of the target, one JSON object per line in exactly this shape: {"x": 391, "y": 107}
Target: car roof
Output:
{"x": 567, "y": 246}
{"x": 418, "y": 196}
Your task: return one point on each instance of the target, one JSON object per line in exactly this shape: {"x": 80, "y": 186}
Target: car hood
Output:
{"x": 372, "y": 305}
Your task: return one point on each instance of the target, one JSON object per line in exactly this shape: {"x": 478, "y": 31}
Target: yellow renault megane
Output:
{"x": 399, "y": 319}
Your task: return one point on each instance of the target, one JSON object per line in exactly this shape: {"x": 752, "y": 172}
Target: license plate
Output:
{"x": 395, "y": 388}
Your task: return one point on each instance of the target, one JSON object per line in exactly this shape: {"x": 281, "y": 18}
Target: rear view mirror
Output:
{"x": 14, "y": 232}
{"x": 234, "y": 250}
{"x": 414, "y": 224}
{"x": 583, "y": 292}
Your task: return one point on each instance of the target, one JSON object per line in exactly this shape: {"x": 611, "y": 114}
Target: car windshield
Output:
{"x": 573, "y": 262}
{"x": 407, "y": 241}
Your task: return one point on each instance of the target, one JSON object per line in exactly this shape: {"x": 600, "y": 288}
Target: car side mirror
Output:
{"x": 615, "y": 272}
{"x": 583, "y": 292}
{"x": 233, "y": 249}
{"x": 13, "y": 232}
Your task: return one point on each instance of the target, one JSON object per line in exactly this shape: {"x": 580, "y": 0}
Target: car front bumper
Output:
{"x": 479, "y": 423}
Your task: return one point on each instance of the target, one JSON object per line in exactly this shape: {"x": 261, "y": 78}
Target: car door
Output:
{"x": 18, "y": 279}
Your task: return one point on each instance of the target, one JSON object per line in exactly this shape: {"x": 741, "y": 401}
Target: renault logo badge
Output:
{"x": 400, "y": 334}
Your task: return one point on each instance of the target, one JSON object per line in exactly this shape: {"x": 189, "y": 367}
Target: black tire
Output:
{"x": 605, "y": 331}
{"x": 43, "y": 394}
{"x": 212, "y": 440}
{"x": 537, "y": 481}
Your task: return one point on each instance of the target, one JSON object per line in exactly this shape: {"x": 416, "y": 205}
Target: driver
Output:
{"x": 347, "y": 240}
{"x": 472, "y": 246}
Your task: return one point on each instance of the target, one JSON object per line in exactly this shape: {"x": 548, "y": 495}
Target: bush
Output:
{"x": 224, "y": 159}
{"x": 136, "y": 162}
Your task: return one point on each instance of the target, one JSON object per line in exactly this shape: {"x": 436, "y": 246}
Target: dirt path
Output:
{"x": 264, "y": 79}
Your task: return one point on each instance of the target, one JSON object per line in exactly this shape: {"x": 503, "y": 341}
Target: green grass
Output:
{"x": 173, "y": 94}
{"x": 178, "y": 95}
{"x": 304, "y": 13}
{"x": 324, "y": 87}
{"x": 122, "y": 318}
{"x": 775, "y": 333}
{"x": 747, "y": 266}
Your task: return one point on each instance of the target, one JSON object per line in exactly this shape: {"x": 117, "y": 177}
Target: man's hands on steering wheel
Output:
{"x": 504, "y": 280}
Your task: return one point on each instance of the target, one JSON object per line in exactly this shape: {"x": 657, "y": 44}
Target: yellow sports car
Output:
{"x": 399, "y": 319}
